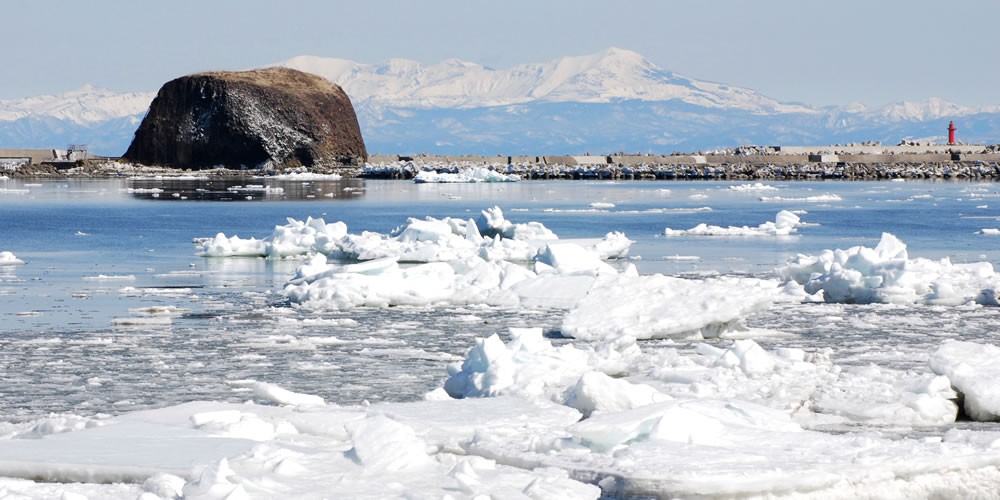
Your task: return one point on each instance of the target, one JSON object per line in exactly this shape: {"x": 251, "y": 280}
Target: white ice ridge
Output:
{"x": 529, "y": 419}
{"x": 8, "y": 258}
{"x": 491, "y": 237}
{"x": 618, "y": 375}
{"x": 474, "y": 174}
{"x": 784, "y": 223}
{"x": 887, "y": 274}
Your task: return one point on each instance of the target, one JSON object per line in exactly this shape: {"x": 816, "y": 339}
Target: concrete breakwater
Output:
{"x": 984, "y": 166}
{"x": 961, "y": 165}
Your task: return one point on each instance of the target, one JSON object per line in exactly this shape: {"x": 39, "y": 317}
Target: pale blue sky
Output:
{"x": 819, "y": 53}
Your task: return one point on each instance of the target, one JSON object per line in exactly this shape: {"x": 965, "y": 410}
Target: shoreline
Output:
{"x": 917, "y": 166}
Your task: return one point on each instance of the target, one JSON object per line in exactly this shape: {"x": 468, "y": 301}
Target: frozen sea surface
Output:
{"x": 113, "y": 313}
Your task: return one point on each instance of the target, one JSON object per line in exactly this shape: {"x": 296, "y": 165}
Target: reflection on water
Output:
{"x": 255, "y": 189}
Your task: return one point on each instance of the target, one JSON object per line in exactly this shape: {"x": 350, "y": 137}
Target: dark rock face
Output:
{"x": 275, "y": 117}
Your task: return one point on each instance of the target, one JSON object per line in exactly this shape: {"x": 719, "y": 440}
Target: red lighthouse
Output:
{"x": 951, "y": 132}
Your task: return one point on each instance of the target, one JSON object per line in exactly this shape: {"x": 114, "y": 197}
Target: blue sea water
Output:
{"x": 98, "y": 251}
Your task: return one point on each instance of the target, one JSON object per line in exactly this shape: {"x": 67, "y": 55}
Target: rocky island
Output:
{"x": 265, "y": 118}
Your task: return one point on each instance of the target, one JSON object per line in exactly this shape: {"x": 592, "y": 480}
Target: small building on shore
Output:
{"x": 12, "y": 159}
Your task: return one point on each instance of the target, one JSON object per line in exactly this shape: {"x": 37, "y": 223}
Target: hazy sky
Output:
{"x": 819, "y": 53}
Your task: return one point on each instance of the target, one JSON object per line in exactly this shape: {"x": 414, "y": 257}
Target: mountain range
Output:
{"x": 612, "y": 101}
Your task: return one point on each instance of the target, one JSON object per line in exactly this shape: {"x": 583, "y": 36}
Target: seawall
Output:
{"x": 935, "y": 165}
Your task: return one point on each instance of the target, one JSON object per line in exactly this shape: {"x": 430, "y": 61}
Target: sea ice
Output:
{"x": 492, "y": 237}
{"x": 657, "y": 306}
{"x": 474, "y": 174}
{"x": 222, "y": 450}
{"x": 706, "y": 418}
{"x": 307, "y": 176}
{"x": 887, "y": 274}
{"x": 974, "y": 370}
{"x": 821, "y": 198}
{"x": 757, "y": 186}
{"x": 234, "y": 246}
{"x": 784, "y": 223}
{"x": 432, "y": 261}
{"x": 8, "y": 258}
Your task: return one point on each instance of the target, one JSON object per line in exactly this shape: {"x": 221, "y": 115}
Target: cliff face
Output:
{"x": 276, "y": 116}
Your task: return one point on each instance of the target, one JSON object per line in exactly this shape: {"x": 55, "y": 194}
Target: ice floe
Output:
{"x": 755, "y": 187}
{"x": 886, "y": 274}
{"x": 974, "y": 371}
{"x": 784, "y": 223}
{"x": 657, "y": 306}
{"x": 8, "y": 258}
{"x": 820, "y": 198}
{"x": 474, "y": 174}
{"x": 306, "y": 176}
{"x": 724, "y": 406}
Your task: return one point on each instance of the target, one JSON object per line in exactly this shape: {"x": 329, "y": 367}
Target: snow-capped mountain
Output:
{"x": 611, "y": 75}
{"x": 614, "y": 100}
{"x": 931, "y": 109}
{"x": 85, "y": 105}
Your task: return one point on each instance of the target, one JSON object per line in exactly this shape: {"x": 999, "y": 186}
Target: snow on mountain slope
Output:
{"x": 610, "y": 75}
{"x": 85, "y": 105}
{"x": 930, "y": 109}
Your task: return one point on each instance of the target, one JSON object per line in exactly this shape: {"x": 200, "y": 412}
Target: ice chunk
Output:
{"x": 385, "y": 282}
{"x": 887, "y": 274}
{"x": 8, "y": 258}
{"x": 598, "y": 392}
{"x": 307, "y": 176}
{"x": 304, "y": 237}
{"x": 569, "y": 258}
{"x": 217, "y": 481}
{"x": 820, "y": 198}
{"x": 474, "y": 174}
{"x": 757, "y": 186}
{"x": 704, "y": 421}
{"x": 784, "y": 223}
{"x": 281, "y": 396}
{"x": 419, "y": 240}
{"x": 974, "y": 370}
{"x": 529, "y": 365}
{"x": 752, "y": 358}
{"x": 223, "y": 246}
{"x": 492, "y": 222}
{"x": 658, "y": 306}
{"x": 614, "y": 246}
{"x": 384, "y": 445}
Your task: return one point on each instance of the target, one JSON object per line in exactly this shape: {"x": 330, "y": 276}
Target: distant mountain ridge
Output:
{"x": 611, "y": 75}
{"x": 87, "y": 104}
{"x": 613, "y": 99}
